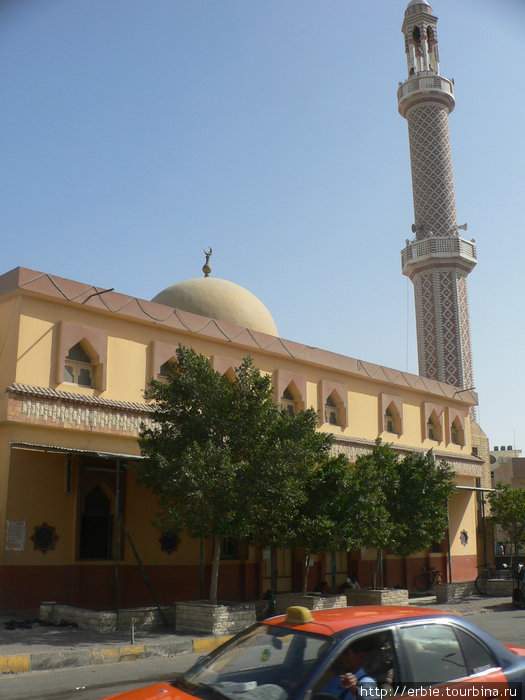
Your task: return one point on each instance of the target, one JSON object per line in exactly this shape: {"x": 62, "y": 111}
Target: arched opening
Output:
{"x": 392, "y": 421}
{"x": 166, "y": 369}
{"x": 288, "y": 401}
{"x": 332, "y": 409}
{"x": 230, "y": 375}
{"x": 96, "y": 526}
{"x": 433, "y": 428}
{"x": 78, "y": 366}
{"x": 456, "y": 433}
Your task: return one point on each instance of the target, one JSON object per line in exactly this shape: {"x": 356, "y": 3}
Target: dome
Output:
{"x": 219, "y": 299}
{"x": 417, "y": 5}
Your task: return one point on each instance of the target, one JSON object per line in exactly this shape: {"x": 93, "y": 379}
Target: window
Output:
{"x": 331, "y": 411}
{"x": 166, "y": 369}
{"x": 288, "y": 402}
{"x": 81, "y": 355}
{"x": 456, "y": 433}
{"x": 378, "y": 661}
{"x": 392, "y": 420}
{"x": 478, "y": 658}
{"x": 433, "y": 428}
{"x": 433, "y": 654}
{"x": 78, "y": 367}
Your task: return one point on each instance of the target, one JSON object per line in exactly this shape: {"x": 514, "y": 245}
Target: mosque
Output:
{"x": 76, "y": 359}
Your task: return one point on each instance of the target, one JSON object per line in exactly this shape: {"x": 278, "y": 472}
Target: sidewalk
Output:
{"x": 41, "y": 647}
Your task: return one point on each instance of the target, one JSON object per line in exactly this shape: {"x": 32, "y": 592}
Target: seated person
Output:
{"x": 352, "y": 681}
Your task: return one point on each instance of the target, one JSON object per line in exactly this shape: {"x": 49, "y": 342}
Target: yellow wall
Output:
{"x": 28, "y": 346}
{"x": 128, "y": 360}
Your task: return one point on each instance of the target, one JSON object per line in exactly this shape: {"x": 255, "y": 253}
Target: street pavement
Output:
{"x": 32, "y": 646}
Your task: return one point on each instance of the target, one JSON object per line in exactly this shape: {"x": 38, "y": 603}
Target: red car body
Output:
{"x": 413, "y": 652}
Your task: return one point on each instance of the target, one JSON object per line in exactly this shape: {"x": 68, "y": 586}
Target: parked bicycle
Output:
{"x": 488, "y": 571}
{"x": 428, "y": 579}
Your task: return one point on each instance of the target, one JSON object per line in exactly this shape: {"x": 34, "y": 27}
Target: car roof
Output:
{"x": 334, "y": 620}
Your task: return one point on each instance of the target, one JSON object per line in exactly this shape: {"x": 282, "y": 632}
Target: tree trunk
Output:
{"x": 305, "y": 571}
{"x": 215, "y": 568}
{"x": 378, "y": 569}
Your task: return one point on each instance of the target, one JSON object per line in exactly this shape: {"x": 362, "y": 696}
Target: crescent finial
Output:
{"x": 206, "y": 268}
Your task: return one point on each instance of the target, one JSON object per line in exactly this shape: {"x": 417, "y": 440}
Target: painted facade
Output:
{"x": 67, "y": 448}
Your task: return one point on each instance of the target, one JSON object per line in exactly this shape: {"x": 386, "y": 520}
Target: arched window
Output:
{"x": 389, "y": 421}
{"x": 78, "y": 366}
{"x": 456, "y": 433}
{"x": 166, "y": 368}
{"x": 288, "y": 402}
{"x": 433, "y": 429}
{"x": 331, "y": 411}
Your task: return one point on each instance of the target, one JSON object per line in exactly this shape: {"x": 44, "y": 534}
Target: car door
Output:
{"x": 442, "y": 655}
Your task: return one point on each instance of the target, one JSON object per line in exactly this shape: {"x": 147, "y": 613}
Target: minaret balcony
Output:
{"x": 454, "y": 251}
{"x": 425, "y": 86}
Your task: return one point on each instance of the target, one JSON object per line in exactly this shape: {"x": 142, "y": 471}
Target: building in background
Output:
{"x": 500, "y": 457}
{"x": 75, "y": 361}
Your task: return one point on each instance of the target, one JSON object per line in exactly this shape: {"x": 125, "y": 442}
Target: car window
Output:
{"x": 433, "y": 654}
{"x": 477, "y": 656}
{"x": 379, "y": 664}
{"x": 265, "y": 663}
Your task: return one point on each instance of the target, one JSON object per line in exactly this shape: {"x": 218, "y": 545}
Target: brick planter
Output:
{"x": 377, "y": 596}
{"x": 147, "y": 618}
{"x": 310, "y": 601}
{"x": 218, "y": 619}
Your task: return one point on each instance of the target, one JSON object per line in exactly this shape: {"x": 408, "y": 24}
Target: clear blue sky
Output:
{"x": 136, "y": 133}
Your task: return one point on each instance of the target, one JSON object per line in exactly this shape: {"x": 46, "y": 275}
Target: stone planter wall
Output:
{"x": 500, "y": 587}
{"x": 311, "y": 601}
{"x": 447, "y": 592}
{"x": 146, "y": 618}
{"x": 218, "y": 619}
{"x": 379, "y": 596}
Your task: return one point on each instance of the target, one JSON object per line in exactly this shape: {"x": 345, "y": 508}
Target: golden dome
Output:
{"x": 219, "y": 299}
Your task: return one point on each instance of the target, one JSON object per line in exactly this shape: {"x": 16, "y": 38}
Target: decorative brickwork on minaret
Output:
{"x": 437, "y": 260}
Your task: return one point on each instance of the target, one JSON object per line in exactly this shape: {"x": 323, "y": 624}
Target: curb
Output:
{"x": 69, "y": 658}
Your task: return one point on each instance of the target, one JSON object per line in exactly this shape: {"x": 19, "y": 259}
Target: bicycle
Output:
{"x": 488, "y": 572}
{"x": 428, "y": 579}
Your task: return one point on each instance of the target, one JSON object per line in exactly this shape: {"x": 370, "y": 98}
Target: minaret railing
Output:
{"x": 454, "y": 246}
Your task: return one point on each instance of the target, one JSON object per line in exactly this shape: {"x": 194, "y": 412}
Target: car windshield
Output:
{"x": 265, "y": 663}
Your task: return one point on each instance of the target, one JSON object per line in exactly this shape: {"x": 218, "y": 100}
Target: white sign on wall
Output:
{"x": 15, "y": 535}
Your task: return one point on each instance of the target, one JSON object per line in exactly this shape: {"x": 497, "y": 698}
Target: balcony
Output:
{"x": 453, "y": 249}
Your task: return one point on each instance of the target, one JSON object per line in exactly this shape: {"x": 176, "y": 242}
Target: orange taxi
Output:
{"x": 403, "y": 652}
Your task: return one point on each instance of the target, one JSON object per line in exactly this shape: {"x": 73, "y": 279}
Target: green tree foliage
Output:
{"x": 406, "y": 509}
{"x": 328, "y": 516}
{"x": 224, "y": 460}
{"x": 275, "y": 491}
{"x": 507, "y": 506}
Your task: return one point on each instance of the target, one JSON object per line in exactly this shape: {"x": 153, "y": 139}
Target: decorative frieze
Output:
{"x": 76, "y": 412}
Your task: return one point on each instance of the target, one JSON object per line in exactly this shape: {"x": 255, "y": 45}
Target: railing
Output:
{"x": 439, "y": 247}
{"x": 425, "y": 82}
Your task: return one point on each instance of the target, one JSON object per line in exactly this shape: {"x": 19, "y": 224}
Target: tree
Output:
{"x": 328, "y": 517}
{"x": 410, "y": 494}
{"x": 224, "y": 460}
{"x": 507, "y": 506}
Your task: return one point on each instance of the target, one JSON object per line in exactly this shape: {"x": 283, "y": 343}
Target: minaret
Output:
{"x": 437, "y": 259}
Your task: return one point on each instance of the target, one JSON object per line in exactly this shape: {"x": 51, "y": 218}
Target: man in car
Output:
{"x": 352, "y": 680}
